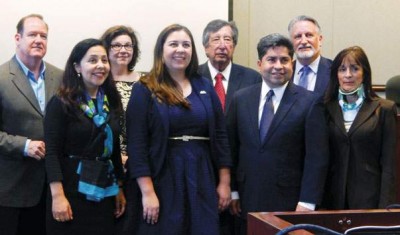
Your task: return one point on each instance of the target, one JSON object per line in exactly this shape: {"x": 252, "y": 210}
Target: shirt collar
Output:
{"x": 278, "y": 91}
{"x": 214, "y": 71}
{"x": 313, "y": 66}
{"x": 29, "y": 73}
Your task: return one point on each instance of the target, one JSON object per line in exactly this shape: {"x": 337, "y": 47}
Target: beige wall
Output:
{"x": 372, "y": 24}
{"x": 73, "y": 20}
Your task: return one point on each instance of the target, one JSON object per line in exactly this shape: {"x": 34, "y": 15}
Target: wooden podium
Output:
{"x": 269, "y": 223}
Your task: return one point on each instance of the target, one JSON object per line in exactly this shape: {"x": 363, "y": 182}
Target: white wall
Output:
{"x": 73, "y": 20}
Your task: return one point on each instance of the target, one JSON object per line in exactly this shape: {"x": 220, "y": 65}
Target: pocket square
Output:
{"x": 203, "y": 92}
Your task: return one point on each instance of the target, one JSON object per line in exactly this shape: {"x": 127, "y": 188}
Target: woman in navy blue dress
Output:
{"x": 177, "y": 143}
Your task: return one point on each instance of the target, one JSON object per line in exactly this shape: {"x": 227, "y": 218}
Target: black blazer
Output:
{"x": 291, "y": 164}
{"x": 67, "y": 135}
{"x": 363, "y": 160}
{"x": 240, "y": 77}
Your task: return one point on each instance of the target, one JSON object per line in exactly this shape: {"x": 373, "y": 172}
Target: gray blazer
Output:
{"x": 22, "y": 178}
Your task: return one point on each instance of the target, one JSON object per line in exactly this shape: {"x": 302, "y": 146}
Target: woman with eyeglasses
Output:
{"x": 362, "y": 137}
{"x": 123, "y": 52}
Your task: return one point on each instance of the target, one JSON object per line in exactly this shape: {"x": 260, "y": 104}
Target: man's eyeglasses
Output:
{"x": 118, "y": 47}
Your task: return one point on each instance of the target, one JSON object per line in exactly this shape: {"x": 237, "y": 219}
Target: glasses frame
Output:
{"x": 118, "y": 47}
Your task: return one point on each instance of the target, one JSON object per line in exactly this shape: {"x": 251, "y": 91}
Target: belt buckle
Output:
{"x": 185, "y": 138}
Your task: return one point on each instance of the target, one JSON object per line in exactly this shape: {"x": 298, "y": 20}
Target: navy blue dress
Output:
{"x": 188, "y": 175}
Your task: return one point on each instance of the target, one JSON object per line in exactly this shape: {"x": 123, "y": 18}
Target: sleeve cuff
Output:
{"x": 310, "y": 206}
{"x": 28, "y": 141}
{"x": 234, "y": 195}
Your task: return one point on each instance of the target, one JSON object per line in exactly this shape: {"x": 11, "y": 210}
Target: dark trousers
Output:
{"x": 242, "y": 224}
{"x": 226, "y": 223}
{"x": 23, "y": 221}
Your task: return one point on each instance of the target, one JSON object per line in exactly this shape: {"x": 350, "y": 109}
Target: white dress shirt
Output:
{"x": 226, "y": 73}
{"x": 276, "y": 98}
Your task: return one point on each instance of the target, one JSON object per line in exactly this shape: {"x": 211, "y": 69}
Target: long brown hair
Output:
{"x": 159, "y": 81}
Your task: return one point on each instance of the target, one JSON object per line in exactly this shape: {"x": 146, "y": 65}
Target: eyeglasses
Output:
{"x": 118, "y": 47}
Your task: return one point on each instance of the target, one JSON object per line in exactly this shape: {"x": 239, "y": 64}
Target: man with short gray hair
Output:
{"x": 220, "y": 38}
{"x": 311, "y": 70}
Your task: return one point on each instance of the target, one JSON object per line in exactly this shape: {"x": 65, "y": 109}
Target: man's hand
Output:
{"x": 235, "y": 207}
{"x": 36, "y": 149}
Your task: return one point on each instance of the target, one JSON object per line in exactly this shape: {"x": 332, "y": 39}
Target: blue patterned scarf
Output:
{"x": 97, "y": 188}
{"x": 99, "y": 117}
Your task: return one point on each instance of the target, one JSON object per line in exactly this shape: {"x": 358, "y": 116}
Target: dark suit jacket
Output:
{"x": 363, "y": 160}
{"x": 22, "y": 178}
{"x": 323, "y": 75}
{"x": 291, "y": 164}
{"x": 148, "y": 129}
{"x": 240, "y": 77}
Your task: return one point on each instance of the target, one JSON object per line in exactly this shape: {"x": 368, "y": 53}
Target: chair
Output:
{"x": 392, "y": 91}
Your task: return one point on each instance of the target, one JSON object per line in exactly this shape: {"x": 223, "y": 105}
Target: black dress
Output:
{"x": 66, "y": 135}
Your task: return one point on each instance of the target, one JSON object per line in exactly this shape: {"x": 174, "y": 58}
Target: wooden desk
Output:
{"x": 269, "y": 223}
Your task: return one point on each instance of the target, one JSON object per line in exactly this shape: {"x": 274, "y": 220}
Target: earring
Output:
{"x": 79, "y": 75}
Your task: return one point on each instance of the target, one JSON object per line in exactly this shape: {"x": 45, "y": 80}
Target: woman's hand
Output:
{"x": 224, "y": 188}
{"x": 61, "y": 208}
{"x": 124, "y": 158}
{"x": 224, "y": 196}
{"x": 120, "y": 203}
{"x": 151, "y": 207}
